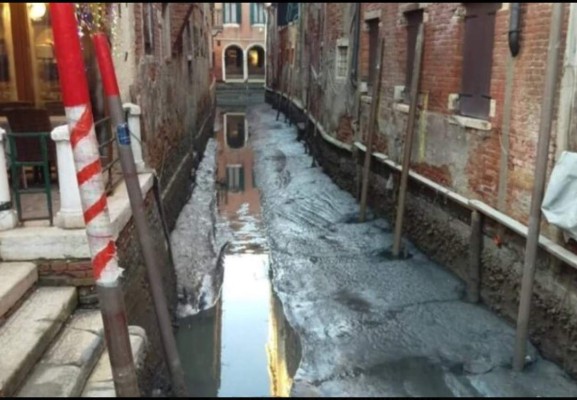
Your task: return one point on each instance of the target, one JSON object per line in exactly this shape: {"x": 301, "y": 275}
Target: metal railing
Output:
{"x": 111, "y": 169}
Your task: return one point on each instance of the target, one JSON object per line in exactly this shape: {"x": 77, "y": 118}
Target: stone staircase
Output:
{"x": 239, "y": 94}
{"x": 48, "y": 347}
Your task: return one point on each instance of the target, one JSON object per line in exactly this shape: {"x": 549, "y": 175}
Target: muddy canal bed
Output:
{"x": 232, "y": 334}
{"x": 302, "y": 301}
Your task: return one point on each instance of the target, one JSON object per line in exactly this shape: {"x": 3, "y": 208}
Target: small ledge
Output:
{"x": 401, "y": 107}
{"x": 468, "y": 122}
{"x": 231, "y": 25}
{"x": 365, "y": 98}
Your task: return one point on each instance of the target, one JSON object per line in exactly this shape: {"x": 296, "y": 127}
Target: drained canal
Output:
{"x": 238, "y": 344}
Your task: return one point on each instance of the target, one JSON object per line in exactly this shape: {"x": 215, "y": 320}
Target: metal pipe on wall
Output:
{"x": 538, "y": 187}
{"x": 515, "y": 29}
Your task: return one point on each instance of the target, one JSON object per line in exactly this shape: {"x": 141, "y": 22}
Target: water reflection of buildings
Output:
{"x": 235, "y": 162}
{"x": 283, "y": 350}
{"x": 199, "y": 343}
{"x": 243, "y": 346}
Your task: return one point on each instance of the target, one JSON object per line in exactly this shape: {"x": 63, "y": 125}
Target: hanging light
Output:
{"x": 36, "y": 11}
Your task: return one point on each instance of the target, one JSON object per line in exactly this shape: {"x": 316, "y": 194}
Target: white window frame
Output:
{"x": 232, "y": 11}
{"x": 258, "y": 6}
{"x": 341, "y": 43}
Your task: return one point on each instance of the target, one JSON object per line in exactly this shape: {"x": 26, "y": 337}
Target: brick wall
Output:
{"x": 470, "y": 158}
{"x": 173, "y": 92}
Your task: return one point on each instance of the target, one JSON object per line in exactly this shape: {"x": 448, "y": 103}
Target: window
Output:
{"x": 414, "y": 19}
{"x": 148, "y": 28}
{"x": 287, "y": 12}
{"x": 235, "y": 178}
{"x": 474, "y": 99}
{"x": 373, "y": 25}
{"x": 231, "y": 13}
{"x": 341, "y": 61}
{"x": 257, "y": 13}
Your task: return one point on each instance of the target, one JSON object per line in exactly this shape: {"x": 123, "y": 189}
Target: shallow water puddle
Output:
{"x": 239, "y": 347}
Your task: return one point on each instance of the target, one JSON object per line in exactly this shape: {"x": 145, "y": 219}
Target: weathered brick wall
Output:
{"x": 464, "y": 159}
{"x": 174, "y": 93}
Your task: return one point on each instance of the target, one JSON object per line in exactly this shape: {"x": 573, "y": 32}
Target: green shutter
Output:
{"x": 241, "y": 178}
{"x": 238, "y": 14}
{"x": 252, "y": 13}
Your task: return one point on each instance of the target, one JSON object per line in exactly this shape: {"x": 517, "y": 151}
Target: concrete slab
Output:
{"x": 100, "y": 382}
{"x": 63, "y": 370}
{"x": 27, "y": 334}
{"x": 15, "y": 280}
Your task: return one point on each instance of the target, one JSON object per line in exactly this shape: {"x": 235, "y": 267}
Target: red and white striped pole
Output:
{"x": 147, "y": 244}
{"x": 84, "y": 144}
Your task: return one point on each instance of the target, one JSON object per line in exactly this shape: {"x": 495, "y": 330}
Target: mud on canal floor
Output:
{"x": 367, "y": 325}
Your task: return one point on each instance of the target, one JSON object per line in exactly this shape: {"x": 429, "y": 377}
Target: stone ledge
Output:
{"x": 52, "y": 243}
{"x": 100, "y": 383}
{"x": 467, "y": 122}
{"x": 64, "y": 368}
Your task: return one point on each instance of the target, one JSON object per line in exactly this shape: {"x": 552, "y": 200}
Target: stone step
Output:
{"x": 100, "y": 383}
{"x": 65, "y": 367}
{"x": 26, "y": 334}
{"x": 16, "y": 278}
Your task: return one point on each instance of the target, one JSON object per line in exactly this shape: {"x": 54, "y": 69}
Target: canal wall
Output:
{"x": 440, "y": 228}
{"x": 161, "y": 220}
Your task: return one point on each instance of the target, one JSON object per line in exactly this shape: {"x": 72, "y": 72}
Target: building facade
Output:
{"x": 475, "y": 135}
{"x": 238, "y": 41}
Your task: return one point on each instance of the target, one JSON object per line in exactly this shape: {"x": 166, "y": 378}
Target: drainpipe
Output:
{"x": 147, "y": 244}
{"x": 515, "y": 29}
{"x": 538, "y": 187}
{"x": 355, "y": 76}
{"x": 356, "y": 40}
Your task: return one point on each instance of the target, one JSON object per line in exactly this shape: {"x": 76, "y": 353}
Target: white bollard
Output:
{"x": 70, "y": 215}
{"x": 133, "y": 121}
{"x": 8, "y": 216}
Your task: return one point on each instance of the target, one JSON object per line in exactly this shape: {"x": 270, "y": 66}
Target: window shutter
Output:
{"x": 252, "y": 13}
{"x": 478, "y": 59}
{"x": 241, "y": 178}
{"x": 414, "y": 19}
{"x": 238, "y": 14}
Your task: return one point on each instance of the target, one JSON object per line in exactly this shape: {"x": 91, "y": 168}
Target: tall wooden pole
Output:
{"x": 376, "y": 96}
{"x": 416, "y": 79}
{"x": 538, "y": 187}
